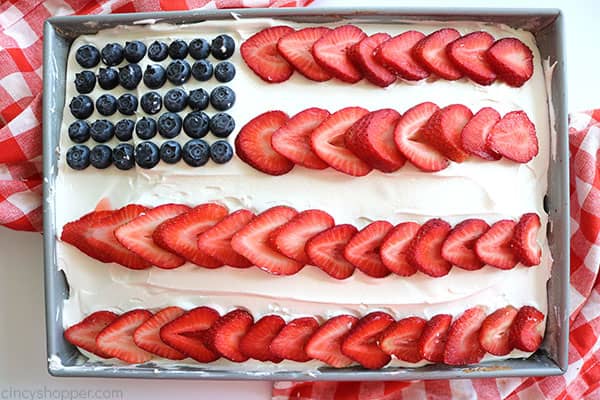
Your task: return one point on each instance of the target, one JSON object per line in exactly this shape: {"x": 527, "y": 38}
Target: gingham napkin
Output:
{"x": 21, "y": 25}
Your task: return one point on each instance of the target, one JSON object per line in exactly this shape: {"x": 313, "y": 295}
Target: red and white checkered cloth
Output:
{"x": 21, "y": 26}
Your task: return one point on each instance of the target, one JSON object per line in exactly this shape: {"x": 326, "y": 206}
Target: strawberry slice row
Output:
{"x": 202, "y": 334}
{"x": 355, "y": 141}
{"x": 281, "y": 241}
{"x": 348, "y": 54}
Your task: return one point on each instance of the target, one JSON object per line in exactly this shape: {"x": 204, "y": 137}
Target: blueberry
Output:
{"x": 222, "y": 47}
{"x": 130, "y": 76}
{"x": 195, "y": 124}
{"x": 122, "y": 156}
{"x": 106, "y": 104}
{"x": 202, "y": 70}
{"x": 134, "y": 51}
{"x": 151, "y": 102}
{"x": 145, "y": 128}
{"x": 81, "y": 106}
{"x": 78, "y": 157}
{"x": 196, "y": 152}
{"x": 87, "y": 56}
{"x": 85, "y": 81}
{"x": 127, "y": 104}
{"x": 169, "y": 125}
{"x": 102, "y": 130}
{"x": 224, "y": 71}
{"x": 154, "y": 76}
{"x": 79, "y": 131}
{"x": 176, "y": 99}
{"x": 198, "y": 99}
{"x": 178, "y": 49}
{"x": 124, "y": 129}
{"x": 178, "y": 72}
{"x": 158, "y": 51}
{"x": 101, "y": 156}
{"x": 112, "y": 54}
{"x": 108, "y": 78}
{"x": 221, "y": 125}
{"x": 199, "y": 48}
{"x": 147, "y": 155}
{"x": 222, "y": 98}
{"x": 170, "y": 152}
{"x": 221, "y": 151}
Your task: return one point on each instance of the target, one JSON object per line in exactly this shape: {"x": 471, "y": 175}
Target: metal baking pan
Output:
{"x": 548, "y": 27}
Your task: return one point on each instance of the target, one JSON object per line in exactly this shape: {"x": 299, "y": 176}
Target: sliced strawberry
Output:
{"x": 361, "y": 344}
{"x": 147, "y": 335}
{"x": 468, "y": 54}
{"x": 326, "y": 250}
{"x": 527, "y": 329}
{"x": 396, "y": 54}
{"x": 512, "y": 60}
{"x": 363, "y": 249}
{"x": 84, "y": 334}
{"x": 430, "y": 52}
{"x": 226, "y": 333}
{"x": 408, "y": 139}
{"x": 394, "y": 249}
{"x": 401, "y": 339}
{"x": 474, "y": 134}
{"x": 290, "y": 343}
{"x": 137, "y": 235}
{"x": 252, "y": 242}
{"x": 514, "y": 137}
{"x": 292, "y": 140}
{"x": 459, "y": 247}
{"x": 216, "y": 241}
{"x": 260, "y": 53}
{"x": 443, "y": 131}
{"x": 290, "y": 239}
{"x": 361, "y": 55}
{"x": 330, "y": 52}
{"x": 493, "y": 247}
{"x": 327, "y": 141}
{"x": 189, "y": 334}
{"x": 116, "y": 339}
{"x": 76, "y": 233}
{"x": 253, "y": 144}
{"x": 371, "y": 138}
{"x": 255, "y": 344}
{"x": 296, "y": 47}
{"x": 462, "y": 345}
{"x": 180, "y": 234}
{"x": 433, "y": 338}
{"x": 326, "y": 343}
{"x": 494, "y": 335}
{"x": 524, "y": 241}
{"x": 96, "y": 233}
{"x": 425, "y": 250}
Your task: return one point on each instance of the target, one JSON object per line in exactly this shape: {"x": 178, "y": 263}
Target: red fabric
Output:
{"x": 582, "y": 380}
{"x": 21, "y": 44}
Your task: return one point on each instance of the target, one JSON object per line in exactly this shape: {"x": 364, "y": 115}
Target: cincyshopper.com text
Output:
{"x": 46, "y": 393}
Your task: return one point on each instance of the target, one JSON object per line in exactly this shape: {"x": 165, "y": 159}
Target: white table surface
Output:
{"x": 22, "y": 324}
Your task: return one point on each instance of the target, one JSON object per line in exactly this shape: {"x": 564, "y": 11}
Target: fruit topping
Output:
{"x": 127, "y": 104}
{"x": 361, "y": 54}
{"x": 134, "y": 51}
{"x": 430, "y": 52}
{"x": 444, "y": 128}
{"x": 221, "y": 125}
{"x": 524, "y": 241}
{"x": 106, "y": 104}
{"x": 290, "y": 342}
{"x": 459, "y": 247}
{"x": 221, "y": 152}
{"x": 155, "y": 76}
{"x": 253, "y": 144}
{"x": 361, "y": 344}
{"x": 199, "y": 48}
{"x": 474, "y": 134}
{"x": 145, "y": 128}
{"x": 260, "y": 53}
{"x": 169, "y": 125}
{"x": 196, "y": 152}
{"x": 224, "y": 71}
{"x": 116, "y": 339}
{"x": 331, "y": 52}
{"x": 101, "y": 156}
{"x": 425, "y": 250}
{"x": 396, "y": 54}
{"x": 170, "y": 152}
{"x": 85, "y": 81}
{"x": 527, "y": 329}
{"x": 296, "y": 47}
{"x": 130, "y": 76}
{"x": 256, "y": 343}
{"x": 394, "y": 248}
{"x": 493, "y": 247}
{"x": 292, "y": 140}
{"x": 222, "y": 98}
{"x": 196, "y": 124}
{"x": 147, "y": 335}
{"x": 178, "y": 49}
{"x": 84, "y": 333}
{"x": 468, "y": 54}
{"x": 124, "y": 129}
{"x": 178, "y": 72}
{"x": 401, "y": 339}
{"x": 123, "y": 156}
{"x": 176, "y": 99}
{"x": 433, "y": 338}
{"x": 151, "y": 103}
{"x": 146, "y": 155}
{"x": 326, "y": 250}
{"x": 108, "y": 78}
{"x": 198, "y": 99}
{"x": 87, "y": 56}
{"x": 326, "y": 343}
{"x": 494, "y": 335}
{"x": 158, "y": 51}
{"x": 102, "y": 130}
{"x": 202, "y": 70}
{"x": 227, "y": 332}
{"x": 462, "y": 344}
{"x": 81, "y": 106}
{"x": 78, "y": 157}
{"x": 514, "y": 137}
{"x": 79, "y": 131}
{"x": 512, "y": 60}
{"x": 222, "y": 47}
{"x": 112, "y": 54}
{"x": 363, "y": 249}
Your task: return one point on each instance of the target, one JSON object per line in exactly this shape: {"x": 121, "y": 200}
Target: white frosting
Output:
{"x": 488, "y": 190}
